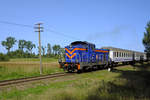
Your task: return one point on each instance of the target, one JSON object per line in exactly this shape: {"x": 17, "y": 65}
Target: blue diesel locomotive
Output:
{"x": 81, "y": 56}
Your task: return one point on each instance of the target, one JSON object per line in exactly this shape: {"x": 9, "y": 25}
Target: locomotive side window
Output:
{"x": 104, "y": 57}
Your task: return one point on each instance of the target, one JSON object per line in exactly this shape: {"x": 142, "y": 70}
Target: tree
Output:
{"x": 49, "y": 50}
{"x": 62, "y": 51}
{"x": 22, "y": 44}
{"x": 56, "y": 49}
{"x": 43, "y": 50}
{"x": 146, "y": 39}
{"x": 29, "y": 46}
{"x": 8, "y": 44}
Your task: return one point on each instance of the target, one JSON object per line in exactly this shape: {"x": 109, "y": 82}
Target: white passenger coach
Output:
{"x": 121, "y": 55}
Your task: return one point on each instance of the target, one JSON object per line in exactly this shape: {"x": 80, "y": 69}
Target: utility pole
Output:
{"x": 39, "y": 29}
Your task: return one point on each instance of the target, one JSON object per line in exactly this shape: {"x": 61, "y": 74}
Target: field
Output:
{"x": 123, "y": 83}
{"x": 25, "y": 67}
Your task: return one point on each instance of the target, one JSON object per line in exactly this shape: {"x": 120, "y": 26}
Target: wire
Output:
{"x": 62, "y": 34}
{"x": 16, "y": 24}
{"x": 30, "y": 26}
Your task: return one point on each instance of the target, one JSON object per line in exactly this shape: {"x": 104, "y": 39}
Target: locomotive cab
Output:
{"x": 83, "y": 56}
{"x": 75, "y": 54}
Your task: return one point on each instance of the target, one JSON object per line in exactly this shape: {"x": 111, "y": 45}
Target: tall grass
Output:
{"x": 18, "y": 68}
{"x": 4, "y": 57}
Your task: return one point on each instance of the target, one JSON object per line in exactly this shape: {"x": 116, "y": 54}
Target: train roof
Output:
{"x": 81, "y": 42}
{"x": 119, "y": 49}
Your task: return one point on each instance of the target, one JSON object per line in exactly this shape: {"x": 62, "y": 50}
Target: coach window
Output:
{"x": 119, "y": 54}
{"x": 114, "y": 54}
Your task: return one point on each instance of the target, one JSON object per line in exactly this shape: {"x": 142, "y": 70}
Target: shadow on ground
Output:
{"x": 129, "y": 85}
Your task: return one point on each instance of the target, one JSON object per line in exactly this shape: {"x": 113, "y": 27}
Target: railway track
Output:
{"x": 29, "y": 79}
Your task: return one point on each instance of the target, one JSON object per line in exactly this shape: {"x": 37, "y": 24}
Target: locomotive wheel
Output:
{"x": 79, "y": 71}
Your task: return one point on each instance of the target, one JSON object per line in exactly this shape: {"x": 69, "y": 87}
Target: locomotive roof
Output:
{"x": 81, "y": 42}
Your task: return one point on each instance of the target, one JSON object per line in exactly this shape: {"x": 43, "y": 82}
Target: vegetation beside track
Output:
{"x": 28, "y": 60}
{"x": 27, "y": 67}
{"x": 123, "y": 83}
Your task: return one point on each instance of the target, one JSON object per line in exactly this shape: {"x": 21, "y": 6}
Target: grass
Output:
{"x": 123, "y": 83}
{"x": 33, "y": 59}
{"x": 19, "y": 68}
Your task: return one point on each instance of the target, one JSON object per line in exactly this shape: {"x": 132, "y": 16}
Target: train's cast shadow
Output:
{"x": 130, "y": 83}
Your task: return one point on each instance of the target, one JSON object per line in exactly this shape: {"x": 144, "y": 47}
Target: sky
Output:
{"x": 117, "y": 23}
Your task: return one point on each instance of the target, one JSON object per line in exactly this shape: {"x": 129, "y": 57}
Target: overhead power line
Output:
{"x": 30, "y": 26}
{"x": 16, "y": 24}
{"x": 62, "y": 34}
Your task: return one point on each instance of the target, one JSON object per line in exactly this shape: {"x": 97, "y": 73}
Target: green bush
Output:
{"x": 4, "y": 57}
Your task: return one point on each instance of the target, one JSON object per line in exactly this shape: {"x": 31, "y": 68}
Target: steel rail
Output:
{"x": 28, "y": 79}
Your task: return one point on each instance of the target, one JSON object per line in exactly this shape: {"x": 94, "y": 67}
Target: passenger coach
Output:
{"x": 125, "y": 56}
